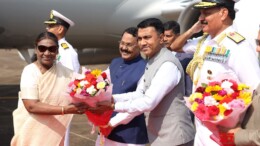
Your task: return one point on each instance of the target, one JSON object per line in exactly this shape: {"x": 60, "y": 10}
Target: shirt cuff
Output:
{"x": 119, "y": 107}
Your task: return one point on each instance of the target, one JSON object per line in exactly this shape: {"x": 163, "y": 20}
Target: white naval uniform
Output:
{"x": 68, "y": 56}
{"x": 241, "y": 63}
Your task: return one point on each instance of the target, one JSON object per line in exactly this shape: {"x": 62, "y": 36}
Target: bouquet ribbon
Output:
{"x": 99, "y": 120}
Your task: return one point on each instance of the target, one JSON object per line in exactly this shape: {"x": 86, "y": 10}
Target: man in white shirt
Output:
{"x": 160, "y": 92}
{"x": 58, "y": 24}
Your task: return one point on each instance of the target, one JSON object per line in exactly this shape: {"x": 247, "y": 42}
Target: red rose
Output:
{"x": 200, "y": 89}
{"x": 227, "y": 112}
{"x": 234, "y": 86}
{"x": 104, "y": 75}
{"x": 72, "y": 93}
{"x": 213, "y": 110}
{"x": 234, "y": 95}
{"x": 76, "y": 82}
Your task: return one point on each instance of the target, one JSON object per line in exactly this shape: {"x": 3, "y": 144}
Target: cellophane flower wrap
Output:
{"x": 92, "y": 86}
{"x": 220, "y": 102}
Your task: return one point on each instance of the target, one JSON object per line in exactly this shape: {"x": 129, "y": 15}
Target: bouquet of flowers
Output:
{"x": 221, "y": 102}
{"x": 91, "y": 87}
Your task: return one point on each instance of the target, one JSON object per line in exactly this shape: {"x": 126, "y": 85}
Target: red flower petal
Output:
{"x": 213, "y": 110}
{"x": 227, "y": 112}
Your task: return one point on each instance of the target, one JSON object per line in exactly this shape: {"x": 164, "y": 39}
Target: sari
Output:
{"x": 38, "y": 129}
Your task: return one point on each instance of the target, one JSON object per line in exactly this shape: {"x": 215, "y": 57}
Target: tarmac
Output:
{"x": 11, "y": 69}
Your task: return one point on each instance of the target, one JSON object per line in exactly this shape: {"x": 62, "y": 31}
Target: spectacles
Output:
{"x": 257, "y": 42}
{"x": 128, "y": 45}
{"x": 52, "y": 49}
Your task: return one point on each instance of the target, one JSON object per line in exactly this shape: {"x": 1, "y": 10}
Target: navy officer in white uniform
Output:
{"x": 58, "y": 24}
{"x": 221, "y": 50}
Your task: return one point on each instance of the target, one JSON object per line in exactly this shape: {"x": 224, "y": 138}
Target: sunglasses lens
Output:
{"x": 50, "y": 49}
{"x": 257, "y": 42}
{"x": 53, "y": 48}
{"x": 42, "y": 48}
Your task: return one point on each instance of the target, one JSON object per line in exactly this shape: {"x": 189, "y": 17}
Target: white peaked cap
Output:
{"x": 58, "y": 18}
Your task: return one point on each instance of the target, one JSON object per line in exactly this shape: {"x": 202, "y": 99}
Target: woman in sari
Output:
{"x": 44, "y": 111}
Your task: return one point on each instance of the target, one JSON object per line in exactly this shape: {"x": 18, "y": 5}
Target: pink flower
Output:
{"x": 222, "y": 92}
{"x": 237, "y": 103}
{"x": 202, "y": 112}
{"x": 220, "y": 99}
{"x": 199, "y": 101}
{"x": 214, "y": 83}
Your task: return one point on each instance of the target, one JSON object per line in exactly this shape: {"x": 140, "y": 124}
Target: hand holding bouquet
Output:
{"x": 92, "y": 87}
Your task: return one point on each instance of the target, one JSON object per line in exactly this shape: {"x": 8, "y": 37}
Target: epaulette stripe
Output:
{"x": 236, "y": 37}
{"x": 64, "y": 45}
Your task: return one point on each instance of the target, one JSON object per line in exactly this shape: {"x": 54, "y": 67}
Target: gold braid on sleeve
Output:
{"x": 197, "y": 61}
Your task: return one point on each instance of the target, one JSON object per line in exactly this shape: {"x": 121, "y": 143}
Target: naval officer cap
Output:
{"x": 205, "y": 4}
{"x": 58, "y": 18}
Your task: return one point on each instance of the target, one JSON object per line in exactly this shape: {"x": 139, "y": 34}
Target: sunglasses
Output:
{"x": 257, "y": 42}
{"x": 52, "y": 49}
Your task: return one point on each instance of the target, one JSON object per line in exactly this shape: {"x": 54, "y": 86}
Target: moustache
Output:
{"x": 203, "y": 22}
{"x": 124, "y": 51}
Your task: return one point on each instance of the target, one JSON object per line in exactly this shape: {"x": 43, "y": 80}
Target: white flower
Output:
{"x": 226, "y": 106}
{"x": 210, "y": 101}
{"x": 226, "y": 85}
{"x": 78, "y": 91}
{"x": 91, "y": 90}
{"x": 83, "y": 83}
{"x": 80, "y": 76}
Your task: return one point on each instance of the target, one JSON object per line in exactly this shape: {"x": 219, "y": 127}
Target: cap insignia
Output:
{"x": 205, "y": 4}
{"x": 51, "y": 15}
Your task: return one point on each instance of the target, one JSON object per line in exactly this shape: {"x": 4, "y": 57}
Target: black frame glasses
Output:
{"x": 51, "y": 49}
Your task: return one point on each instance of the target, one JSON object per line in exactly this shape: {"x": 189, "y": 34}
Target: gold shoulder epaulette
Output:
{"x": 64, "y": 46}
{"x": 236, "y": 37}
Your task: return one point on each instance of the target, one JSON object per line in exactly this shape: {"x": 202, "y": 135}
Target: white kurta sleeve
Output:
{"x": 122, "y": 118}
{"x": 166, "y": 78}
